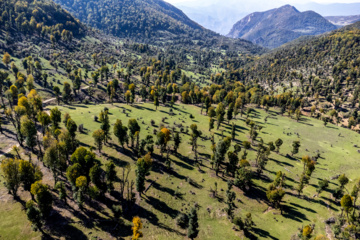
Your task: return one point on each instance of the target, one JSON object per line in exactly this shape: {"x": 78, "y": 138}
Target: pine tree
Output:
{"x": 193, "y": 224}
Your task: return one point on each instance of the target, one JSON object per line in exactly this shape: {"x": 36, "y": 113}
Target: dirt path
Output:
{"x": 52, "y": 99}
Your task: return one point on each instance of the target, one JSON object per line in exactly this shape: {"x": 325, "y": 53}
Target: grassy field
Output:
{"x": 159, "y": 208}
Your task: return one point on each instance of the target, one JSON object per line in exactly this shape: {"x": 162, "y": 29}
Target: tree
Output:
{"x": 29, "y": 174}
{"x": 99, "y": 138}
{"x": 34, "y": 215}
{"x": 156, "y": 102}
{"x": 133, "y": 128}
{"x": 66, "y": 93}
{"x": 110, "y": 174}
{"x": 143, "y": 169}
{"x": 177, "y": 141}
{"x": 55, "y": 117}
{"x": 44, "y": 120}
{"x": 347, "y": 204}
{"x": 60, "y": 187}
{"x": 136, "y": 228}
{"x": 193, "y": 224}
{"x": 230, "y": 112}
{"x": 73, "y": 172}
{"x": 56, "y": 90}
{"x": 97, "y": 178}
{"x": 221, "y": 149}
{"x": 12, "y": 176}
{"x": 105, "y": 124}
{"x": 120, "y": 132}
{"x": 296, "y": 145}
{"x": 28, "y": 129}
{"x": 220, "y": 112}
{"x": 71, "y": 127}
{"x": 278, "y": 144}
{"x": 6, "y": 59}
{"x": 43, "y": 198}
{"x": 243, "y": 176}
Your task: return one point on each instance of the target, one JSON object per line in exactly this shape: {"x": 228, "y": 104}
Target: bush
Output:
{"x": 116, "y": 209}
{"x": 81, "y": 128}
{"x": 152, "y": 122}
{"x": 106, "y": 109}
{"x": 191, "y": 116}
{"x": 96, "y": 118}
{"x": 182, "y": 220}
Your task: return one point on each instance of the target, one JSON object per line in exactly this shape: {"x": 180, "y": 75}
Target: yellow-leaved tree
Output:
{"x": 136, "y": 228}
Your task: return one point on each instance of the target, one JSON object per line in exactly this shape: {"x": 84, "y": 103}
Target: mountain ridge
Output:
{"x": 277, "y": 26}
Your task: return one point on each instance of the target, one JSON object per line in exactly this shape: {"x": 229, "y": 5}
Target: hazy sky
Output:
{"x": 287, "y": 1}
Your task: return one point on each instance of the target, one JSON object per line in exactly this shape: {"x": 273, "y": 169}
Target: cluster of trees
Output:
{"x": 41, "y": 17}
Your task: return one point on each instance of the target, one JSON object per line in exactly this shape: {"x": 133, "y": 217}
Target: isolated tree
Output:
{"x": 6, "y": 59}
{"x": 136, "y": 228}
{"x": 99, "y": 138}
{"x": 177, "y": 141}
{"x": 120, "y": 131}
{"x": 221, "y": 149}
{"x": 193, "y": 230}
{"x": 278, "y": 144}
{"x": 296, "y": 145}
{"x": 156, "y": 102}
{"x": 110, "y": 175}
{"x": 347, "y": 204}
{"x": 133, "y": 127}
{"x": 220, "y": 112}
{"x": 143, "y": 167}
{"x": 105, "y": 124}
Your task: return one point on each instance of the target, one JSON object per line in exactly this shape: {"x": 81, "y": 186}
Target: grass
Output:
{"x": 159, "y": 208}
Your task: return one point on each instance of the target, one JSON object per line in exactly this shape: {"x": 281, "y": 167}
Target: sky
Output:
{"x": 287, "y": 1}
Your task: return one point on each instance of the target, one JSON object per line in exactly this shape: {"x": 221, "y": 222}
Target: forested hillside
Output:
{"x": 152, "y": 22}
{"x": 186, "y": 137}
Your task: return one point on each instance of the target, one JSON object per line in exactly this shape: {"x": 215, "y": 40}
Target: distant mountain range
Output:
{"x": 220, "y": 15}
{"x": 343, "y": 20}
{"x": 275, "y": 27}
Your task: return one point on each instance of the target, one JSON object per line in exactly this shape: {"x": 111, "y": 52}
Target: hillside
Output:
{"x": 278, "y": 26}
{"x": 104, "y": 137}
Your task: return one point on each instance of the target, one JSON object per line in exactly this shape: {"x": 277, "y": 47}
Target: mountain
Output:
{"x": 153, "y": 22}
{"x": 220, "y": 15}
{"x": 278, "y": 26}
{"x": 131, "y": 18}
{"x": 343, "y": 20}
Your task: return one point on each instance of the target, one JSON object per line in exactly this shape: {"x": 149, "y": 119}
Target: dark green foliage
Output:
{"x": 182, "y": 220}
{"x": 193, "y": 230}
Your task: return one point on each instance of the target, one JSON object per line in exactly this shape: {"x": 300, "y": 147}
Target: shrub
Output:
{"x": 182, "y": 220}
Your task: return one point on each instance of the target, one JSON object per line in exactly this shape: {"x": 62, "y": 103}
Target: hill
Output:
{"x": 278, "y": 26}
